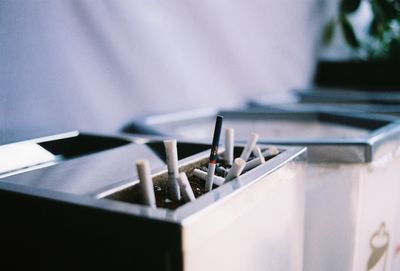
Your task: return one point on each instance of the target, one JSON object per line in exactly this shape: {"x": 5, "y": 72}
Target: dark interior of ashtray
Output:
{"x": 82, "y": 144}
{"x": 184, "y": 149}
{"x": 133, "y": 194}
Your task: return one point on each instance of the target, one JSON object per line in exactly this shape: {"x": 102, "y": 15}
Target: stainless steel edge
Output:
{"x": 350, "y": 150}
{"x": 184, "y": 213}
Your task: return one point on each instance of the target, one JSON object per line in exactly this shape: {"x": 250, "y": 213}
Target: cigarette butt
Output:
{"x": 229, "y": 146}
{"x": 173, "y": 172}
{"x": 257, "y": 153}
{"x": 251, "y": 143}
{"x": 214, "y": 153}
{"x": 210, "y": 176}
{"x": 253, "y": 163}
{"x": 236, "y": 169}
{"x": 272, "y": 151}
{"x": 186, "y": 189}
{"x": 146, "y": 183}
{"x": 218, "y": 181}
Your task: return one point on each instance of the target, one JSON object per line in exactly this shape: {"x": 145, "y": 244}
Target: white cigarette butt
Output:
{"x": 210, "y": 176}
{"x": 257, "y": 153}
{"x": 187, "y": 192}
{"x": 249, "y": 146}
{"x": 173, "y": 172}
{"x": 273, "y": 150}
{"x": 203, "y": 176}
{"x": 236, "y": 169}
{"x": 229, "y": 146}
{"x": 252, "y": 163}
{"x": 146, "y": 183}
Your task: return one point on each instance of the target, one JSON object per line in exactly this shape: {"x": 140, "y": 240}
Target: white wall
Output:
{"x": 94, "y": 65}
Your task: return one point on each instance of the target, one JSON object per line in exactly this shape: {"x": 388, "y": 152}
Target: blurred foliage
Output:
{"x": 383, "y": 39}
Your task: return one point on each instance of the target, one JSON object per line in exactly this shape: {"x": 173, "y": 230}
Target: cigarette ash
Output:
{"x": 162, "y": 196}
{"x": 133, "y": 194}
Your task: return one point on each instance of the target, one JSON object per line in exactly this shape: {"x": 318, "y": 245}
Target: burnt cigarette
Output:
{"x": 173, "y": 172}
{"x": 186, "y": 189}
{"x": 214, "y": 153}
{"x": 248, "y": 148}
{"x": 229, "y": 146}
{"x": 236, "y": 169}
{"x": 202, "y": 175}
{"x": 146, "y": 183}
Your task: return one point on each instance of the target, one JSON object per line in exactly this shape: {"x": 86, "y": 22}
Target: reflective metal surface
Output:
{"x": 393, "y": 110}
{"x": 330, "y": 137}
{"x": 85, "y": 175}
{"x": 83, "y": 168}
{"x": 46, "y": 151}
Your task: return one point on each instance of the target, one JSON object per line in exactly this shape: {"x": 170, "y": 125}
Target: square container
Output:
{"x": 352, "y": 183}
{"x": 250, "y": 223}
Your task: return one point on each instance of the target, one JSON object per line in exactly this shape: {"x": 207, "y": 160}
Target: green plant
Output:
{"x": 383, "y": 38}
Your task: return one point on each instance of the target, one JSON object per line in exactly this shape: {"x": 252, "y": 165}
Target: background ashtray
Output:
{"x": 351, "y": 176}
